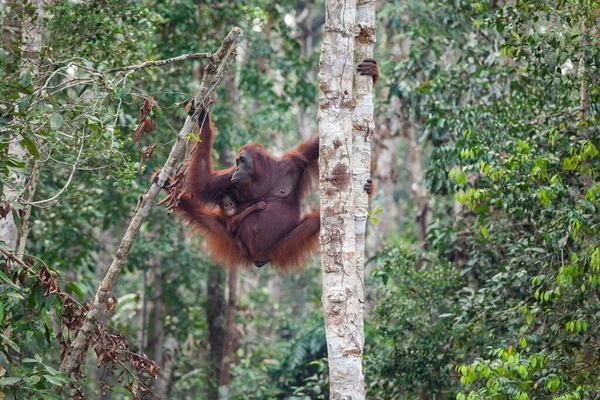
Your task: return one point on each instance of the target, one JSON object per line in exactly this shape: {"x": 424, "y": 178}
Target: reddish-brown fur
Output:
{"x": 278, "y": 233}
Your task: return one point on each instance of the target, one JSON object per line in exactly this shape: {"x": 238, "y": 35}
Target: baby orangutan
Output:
{"x": 233, "y": 219}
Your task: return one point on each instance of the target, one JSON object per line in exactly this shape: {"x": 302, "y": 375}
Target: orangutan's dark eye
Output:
{"x": 242, "y": 159}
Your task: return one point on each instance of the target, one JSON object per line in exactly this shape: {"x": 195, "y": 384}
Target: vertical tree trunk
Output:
{"x": 158, "y": 337}
{"x": 34, "y": 176}
{"x": 418, "y": 183}
{"x": 363, "y": 126}
{"x": 216, "y": 318}
{"x": 229, "y": 347}
{"x": 306, "y": 43}
{"x": 103, "y": 260}
{"x": 162, "y": 384}
{"x": 157, "y": 343}
{"x": 384, "y": 163}
{"x": 342, "y": 296}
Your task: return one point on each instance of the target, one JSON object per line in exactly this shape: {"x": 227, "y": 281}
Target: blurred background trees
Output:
{"x": 484, "y": 259}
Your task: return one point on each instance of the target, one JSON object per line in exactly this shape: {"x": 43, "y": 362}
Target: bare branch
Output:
{"x": 158, "y": 62}
{"x": 52, "y": 200}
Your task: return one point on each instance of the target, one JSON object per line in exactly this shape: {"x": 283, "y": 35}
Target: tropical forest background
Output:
{"x": 483, "y": 247}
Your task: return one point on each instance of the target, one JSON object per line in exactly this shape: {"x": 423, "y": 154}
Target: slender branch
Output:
{"x": 54, "y": 198}
{"x": 15, "y": 258}
{"x": 78, "y": 348}
{"x": 158, "y": 62}
{"x": 33, "y": 181}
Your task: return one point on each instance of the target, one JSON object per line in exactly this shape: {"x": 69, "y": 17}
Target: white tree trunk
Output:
{"x": 363, "y": 127}
{"x": 344, "y": 166}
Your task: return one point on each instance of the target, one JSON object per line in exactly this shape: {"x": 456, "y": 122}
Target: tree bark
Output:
{"x": 343, "y": 208}
{"x": 230, "y": 338}
{"x": 363, "y": 127}
{"x": 216, "y": 319}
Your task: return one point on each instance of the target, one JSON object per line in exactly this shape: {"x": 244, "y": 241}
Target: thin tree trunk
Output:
{"x": 34, "y": 179}
{"x": 585, "y": 100}
{"x": 230, "y": 338}
{"x": 216, "y": 319}
{"x": 305, "y": 114}
{"x": 385, "y": 172}
{"x": 163, "y": 383}
{"x": 158, "y": 338}
{"x": 418, "y": 184}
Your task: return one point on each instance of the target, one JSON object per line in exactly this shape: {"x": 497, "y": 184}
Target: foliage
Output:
{"x": 410, "y": 346}
{"x": 505, "y": 90}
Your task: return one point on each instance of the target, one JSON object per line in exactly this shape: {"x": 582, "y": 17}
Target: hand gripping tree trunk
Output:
{"x": 363, "y": 126}
{"x": 217, "y": 66}
{"x": 344, "y": 166}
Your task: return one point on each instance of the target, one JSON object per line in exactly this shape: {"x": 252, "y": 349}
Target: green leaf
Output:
{"x": 55, "y": 380}
{"x": 30, "y": 146}
{"x": 484, "y": 232}
{"x": 12, "y": 344}
{"x": 76, "y": 290}
{"x": 546, "y": 296}
{"x": 51, "y": 370}
{"x": 6, "y": 279}
{"x": 56, "y": 121}
{"x": 32, "y": 380}
{"x": 24, "y": 103}
{"x": 25, "y": 79}
{"x": 523, "y": 342}
{"x": 375, "y": 221}
{"x": 7, "y": 381}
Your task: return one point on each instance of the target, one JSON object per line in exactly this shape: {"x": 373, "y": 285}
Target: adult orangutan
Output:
{"x": 276, "y": 234}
